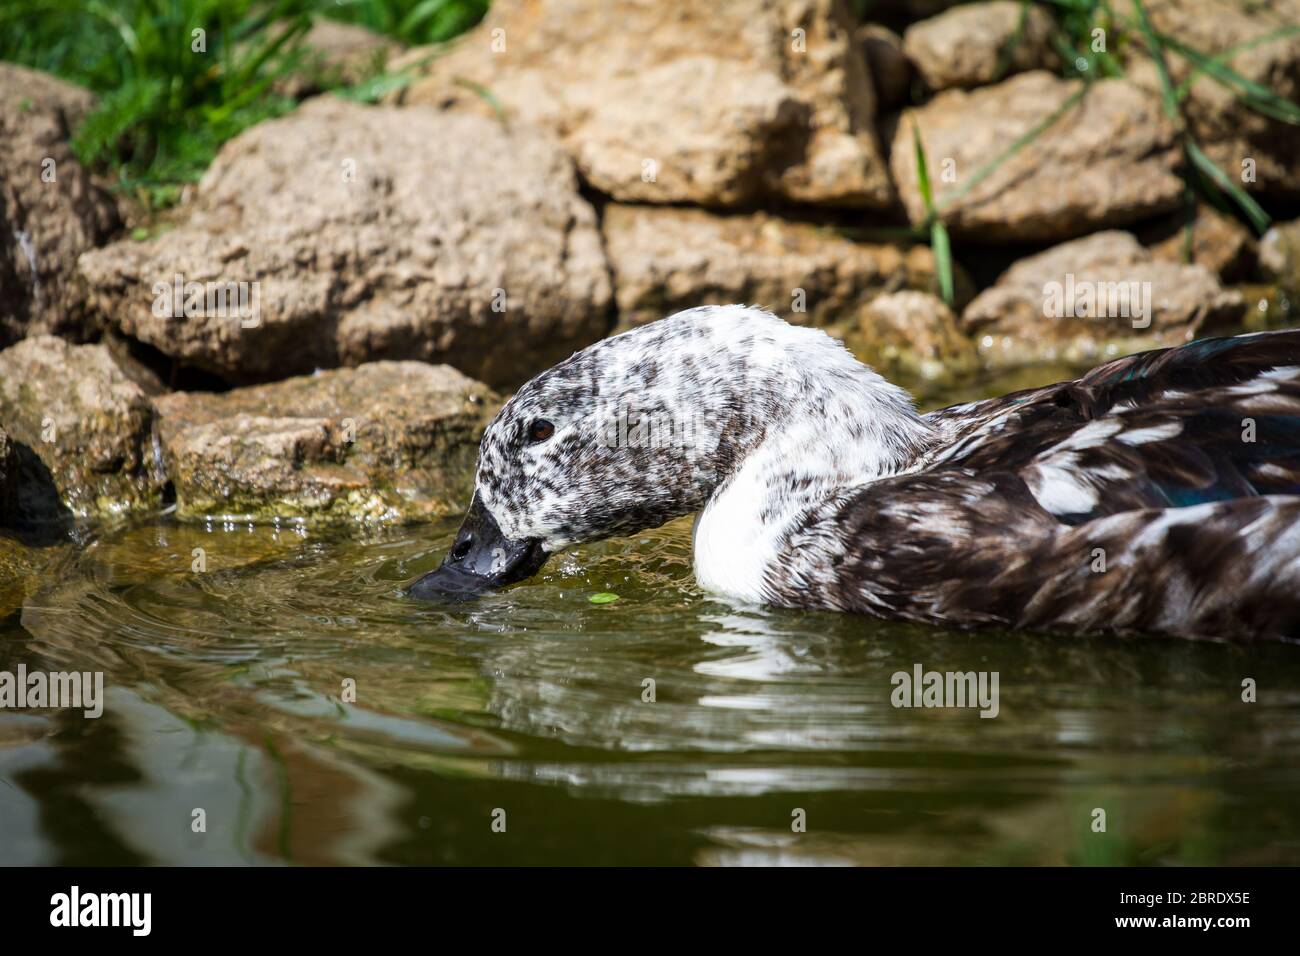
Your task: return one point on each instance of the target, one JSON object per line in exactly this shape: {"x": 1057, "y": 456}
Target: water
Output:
{"x": 226, "y": 695}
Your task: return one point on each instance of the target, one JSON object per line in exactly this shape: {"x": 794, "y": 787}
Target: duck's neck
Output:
{"x": 831, "y": 426}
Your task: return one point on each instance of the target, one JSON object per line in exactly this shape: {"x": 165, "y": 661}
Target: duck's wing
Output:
{"x": 966, "y": 550}
{"x": 1213, "y": 420}
{"x": 1158, "y": 493}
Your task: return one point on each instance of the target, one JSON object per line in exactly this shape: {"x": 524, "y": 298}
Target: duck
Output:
{"x": 1158, "y": 494}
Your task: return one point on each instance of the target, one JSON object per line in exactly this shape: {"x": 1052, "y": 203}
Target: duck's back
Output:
{"x": 1208, "y": 421}
{"x": 1158, "y": 493}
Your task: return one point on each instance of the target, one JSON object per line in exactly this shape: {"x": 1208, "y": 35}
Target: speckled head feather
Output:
{"x": 648, "y": 424}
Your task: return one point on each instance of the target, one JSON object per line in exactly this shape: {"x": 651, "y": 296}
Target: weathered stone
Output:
{"x": 910, "y": 337}
{"x": 8, "y": 479}
{"x": 16, "y": 573}
{"x": 891, "y": 72}
{"x": 350, "y": 50}
{"x": 667, "y": 259}
{"x": 909, "y": 10}
{"x": 1268, "y": 306}
{"x": 1029, "y": 315}
{"x": 1109, "y": 159}
{"x": 50, "y": 208}
{"x": 721, "y": 104}
{"x": 1237, "y": 138}
{"x": 979, "y": 43}
{"x": 387, "y": 441}
{"x": 334, "y": 53}
{"x": 1218, "y": 242}
{"x": 366, "y": 233}
{"x": 1279, "y": 254}
{"x": 83, "y": 427}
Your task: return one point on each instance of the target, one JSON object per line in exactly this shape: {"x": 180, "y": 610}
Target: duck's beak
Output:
{"x": 481, "y": 558}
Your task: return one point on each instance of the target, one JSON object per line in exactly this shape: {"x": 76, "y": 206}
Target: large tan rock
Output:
{"x": 387, "y": 441}
{"x": 667, "y": 259}
{"x": 1091, "y": 298}
{"x": 335, "y": 53}
{"x": 1279, "y": 254}
{"x": 1110, "y": 159}
{"x": 1206, "y": 238}
{"x": 366, "y": 233}
{"x": 979, "y": 43}
{"x": 1231, "y": 133}
{"x": 720, "y": 104}
{"x": 50, "y": 208}
{"x": 85, "y": 427}
{"x": 910, "y": 338}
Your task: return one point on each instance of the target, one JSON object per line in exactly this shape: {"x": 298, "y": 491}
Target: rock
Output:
{"x": 1230, "y": 132}
{"x": 910, "y": 336}
{"x": 362, "y": 233}
{"x": 8, "y": 479}
{"x": 979, "y": 43}
{"x": 16, "y": 574}
{"x": 667, "y": 259}
{"x": 670, "y": 101}
{"x": 382, "y": 442}
{"x": 891, "y": 72}
{"x": 1110, "y": 159}
{"x": 1218, "y": 242}
{"x": 44, "y": 224}
{"x": 83, "y": 431}
{"x": 349, "y": 51}
{"x": 909, "y": 10}
{"x": 1267, "y": 306}
{"x": 1279, "y": 254}
{"x": 338, "y": 53}
{"x": 1026, "y": 317}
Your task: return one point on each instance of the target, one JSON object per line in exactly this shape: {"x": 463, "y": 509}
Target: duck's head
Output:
{"x": 629, "y": 433}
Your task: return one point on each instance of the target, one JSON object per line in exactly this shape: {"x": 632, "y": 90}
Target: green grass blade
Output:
{"x": 939, "y": 241}
{"x": 1200, "y": 162}
{"x": 1155, "y": 48}
{"x": 922, "y": 171}
{"x": 942, "y": 249}
{"x": 1224, "y": 56}
{"x": 988, "y": 168}
{"x": 1255, "y": 95}
{"x": 1206, "y": 166}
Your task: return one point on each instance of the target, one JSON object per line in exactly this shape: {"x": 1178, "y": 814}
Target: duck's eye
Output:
{"x": 540, "y": 430}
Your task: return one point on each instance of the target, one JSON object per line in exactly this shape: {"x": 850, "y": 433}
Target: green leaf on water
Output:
{"x": 604, "y": 597}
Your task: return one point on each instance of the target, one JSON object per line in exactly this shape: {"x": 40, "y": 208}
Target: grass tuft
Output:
{"x": 178, "y": 78}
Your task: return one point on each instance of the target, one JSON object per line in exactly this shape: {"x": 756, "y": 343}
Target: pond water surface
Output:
{"x": 518, "y": 729}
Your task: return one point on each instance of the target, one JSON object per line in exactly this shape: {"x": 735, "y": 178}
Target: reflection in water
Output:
{"x": 665, "y": 727}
